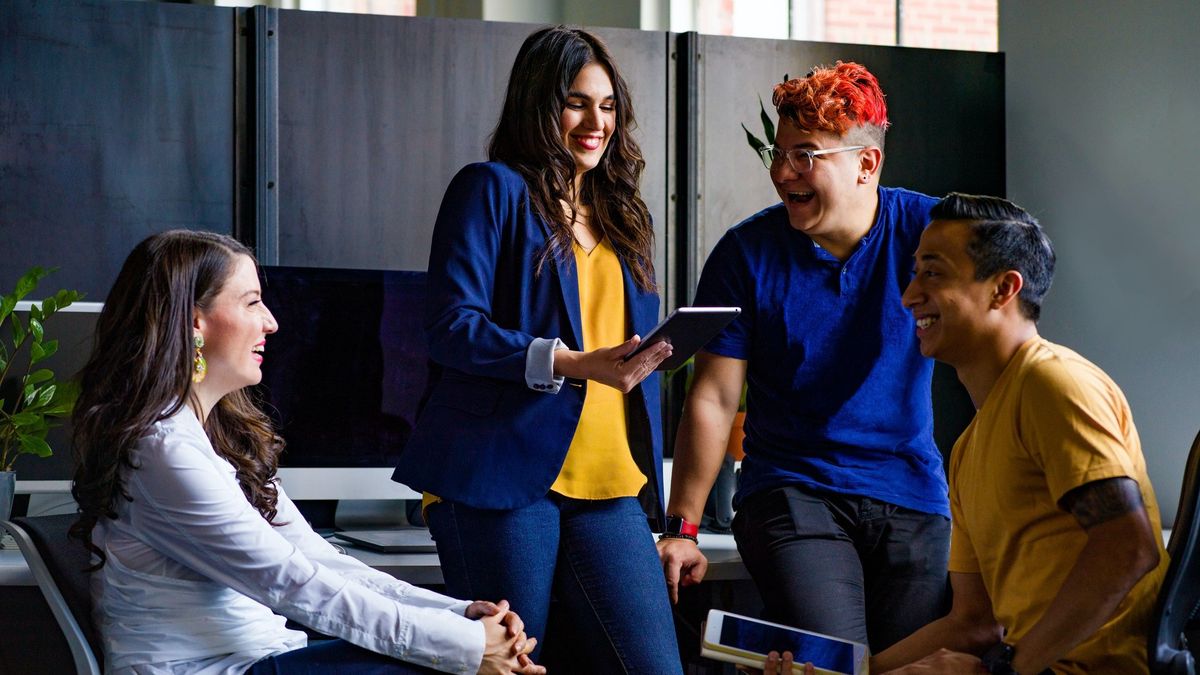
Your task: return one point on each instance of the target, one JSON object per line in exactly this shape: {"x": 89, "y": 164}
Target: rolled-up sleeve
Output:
{"x": 539, "y": 365}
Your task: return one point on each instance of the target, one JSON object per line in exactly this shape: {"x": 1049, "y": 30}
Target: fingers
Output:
{"x": 515, "y": 625}
{"x": 625, "y": 348}
{"x": 695, "y": 573}
{"x": 671, "y": 574}
{"x": 481, "y": 608}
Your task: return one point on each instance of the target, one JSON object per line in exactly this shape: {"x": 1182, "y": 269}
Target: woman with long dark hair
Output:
{"x": 195, "y": 544}
{"x": 539, "y": 447}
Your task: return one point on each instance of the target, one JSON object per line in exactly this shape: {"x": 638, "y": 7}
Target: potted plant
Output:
{"x": 30, "y": 397}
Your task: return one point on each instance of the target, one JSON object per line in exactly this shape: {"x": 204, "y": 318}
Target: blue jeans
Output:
{"x": 852, "y": 567}
{"x": 334, "y": 656}
{"x": 598, "y": 560}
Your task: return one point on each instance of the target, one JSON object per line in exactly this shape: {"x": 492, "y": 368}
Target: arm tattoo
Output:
{"x": 1103, "y": 500}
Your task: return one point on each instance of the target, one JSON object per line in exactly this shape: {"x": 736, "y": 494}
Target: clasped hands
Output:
{"x": 506, "y": 648}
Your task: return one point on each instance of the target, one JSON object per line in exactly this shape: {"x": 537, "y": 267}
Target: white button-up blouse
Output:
{"x": 195, "y": 576}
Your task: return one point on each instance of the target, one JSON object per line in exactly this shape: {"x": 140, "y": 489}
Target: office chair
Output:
{"x": 1167, "y": 649}
{"x": 57, "y": 564}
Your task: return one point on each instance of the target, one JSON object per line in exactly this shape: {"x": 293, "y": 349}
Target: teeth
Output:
{"x": 926, "y": 322}
{"x": 259, "y": 349}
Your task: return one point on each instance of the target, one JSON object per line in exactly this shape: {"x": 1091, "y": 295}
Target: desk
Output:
{"x": 724, "y": 563}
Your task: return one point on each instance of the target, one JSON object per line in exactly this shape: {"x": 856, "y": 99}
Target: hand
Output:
{"x": 942, "y": 661}
{"x": 683, "y": 564}
{"x": 506, "y": 648}
{"x": 779, "y": 665}
{"x": 607, "y": 365}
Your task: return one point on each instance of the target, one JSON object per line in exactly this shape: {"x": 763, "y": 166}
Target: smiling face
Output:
{"x": 234, "y": 326}
{"x": 827, "y": 200}
{"x": 589, "y": 117}
{"x": 951, "y": 308}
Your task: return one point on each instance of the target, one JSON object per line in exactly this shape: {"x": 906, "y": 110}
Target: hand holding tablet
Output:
{"x": 687, "y": 329}
{"x": 740, "y": 639}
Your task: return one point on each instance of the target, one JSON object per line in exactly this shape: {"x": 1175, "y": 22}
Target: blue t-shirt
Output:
{"x": 839, "y": 394}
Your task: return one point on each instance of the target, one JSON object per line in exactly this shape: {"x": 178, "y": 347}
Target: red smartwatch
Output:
{"x": 678, "y": 528}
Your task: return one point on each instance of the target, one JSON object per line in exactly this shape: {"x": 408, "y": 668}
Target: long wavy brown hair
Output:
{"x": 140, "y": 373}
{"x": 529, "y": 138}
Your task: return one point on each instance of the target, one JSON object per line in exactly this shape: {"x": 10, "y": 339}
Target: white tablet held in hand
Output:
{"x": 740, "y": 639}
{"x": 687, "y": 329}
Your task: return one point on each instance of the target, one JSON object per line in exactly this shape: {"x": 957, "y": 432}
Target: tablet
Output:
{"x": 734, "y": 638}
{"x": 687, "y": 329}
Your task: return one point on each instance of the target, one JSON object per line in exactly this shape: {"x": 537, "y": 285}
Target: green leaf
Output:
{"x": 47, "y": 350}
{"x": 35, "y": 445}
{"x": 754, "y": 142}
{"x": 25, "y": 419}
{"x": 35, "y": 312}
{"x": 39, "y": 376}
{"x": 65, "y": 298}
{"x": 35, "y": 327}
{"x": 46, "y": 396}
{"x": 18, "y": 329}
{"x": 49, "y": 306}
{"x": 29, "y": 281}
{"x": 7, "y": 303}
{"x": 768, "y": 125}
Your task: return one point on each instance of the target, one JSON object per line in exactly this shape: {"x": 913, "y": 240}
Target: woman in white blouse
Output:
{"x": 199, "y": 555}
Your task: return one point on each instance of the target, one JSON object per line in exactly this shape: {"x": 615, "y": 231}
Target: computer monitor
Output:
{"x": 73, "y": 327}
{"x": 344, "y": 377}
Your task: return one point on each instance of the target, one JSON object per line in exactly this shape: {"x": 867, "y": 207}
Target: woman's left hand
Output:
{"x": 482, "y": 608}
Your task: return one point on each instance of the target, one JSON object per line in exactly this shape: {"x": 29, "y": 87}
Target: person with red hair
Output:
{"x": 842, "y": 513}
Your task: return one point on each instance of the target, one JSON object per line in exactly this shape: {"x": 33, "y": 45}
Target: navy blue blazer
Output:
{"x": 485, "y": 438}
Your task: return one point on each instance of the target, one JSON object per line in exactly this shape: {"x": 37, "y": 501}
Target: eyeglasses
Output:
{"x": 801, "y": 161}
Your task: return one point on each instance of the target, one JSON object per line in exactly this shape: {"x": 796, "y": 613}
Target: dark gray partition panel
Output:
{"x": 947, "y": 113}
{"x": 116, "y": 121}
{"x": 377, "y": 114}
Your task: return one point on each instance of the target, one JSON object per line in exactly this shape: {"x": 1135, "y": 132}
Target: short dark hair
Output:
{"x": 1004, "y": 236}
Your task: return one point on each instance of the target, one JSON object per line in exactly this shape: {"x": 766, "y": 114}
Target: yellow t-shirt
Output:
{"x": 1053, "y": 422}
{"x": 599, "y": 463}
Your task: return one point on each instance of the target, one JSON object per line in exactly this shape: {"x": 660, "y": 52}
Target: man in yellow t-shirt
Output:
{"x": 1055, "y": 554}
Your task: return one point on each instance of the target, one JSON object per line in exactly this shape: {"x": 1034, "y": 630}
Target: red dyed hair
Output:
{"x": 833, "y": 99}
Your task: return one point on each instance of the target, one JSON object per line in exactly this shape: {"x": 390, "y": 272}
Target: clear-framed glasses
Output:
{"x": 800, "y": 160}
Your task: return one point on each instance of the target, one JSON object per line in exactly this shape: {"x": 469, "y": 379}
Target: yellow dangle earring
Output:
{"x": 199, "y": 365}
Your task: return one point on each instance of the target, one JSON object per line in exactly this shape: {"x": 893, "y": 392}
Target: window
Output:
{"x": 942, "y": 24}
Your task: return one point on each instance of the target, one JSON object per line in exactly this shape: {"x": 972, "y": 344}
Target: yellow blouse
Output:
{"x": 599, "y": 463}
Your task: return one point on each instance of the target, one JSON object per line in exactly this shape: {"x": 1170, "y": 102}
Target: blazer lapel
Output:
{"x": 568, "y": 282}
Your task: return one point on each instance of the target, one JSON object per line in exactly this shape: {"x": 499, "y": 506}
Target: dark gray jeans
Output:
{"x": 852, "y": 567}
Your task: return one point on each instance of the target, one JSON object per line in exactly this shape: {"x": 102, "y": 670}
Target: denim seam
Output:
{"x": 592, "y": 606}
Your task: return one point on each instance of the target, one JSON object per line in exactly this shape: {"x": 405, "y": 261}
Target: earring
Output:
{"x": 866, "y": 177}
{"x": 199, "y": 365}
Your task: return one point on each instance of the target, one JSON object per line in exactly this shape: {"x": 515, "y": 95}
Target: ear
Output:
{"x": 870, "y": 161}
{"x": 1008, "y": 287}
{"x": 197, "y": 322}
